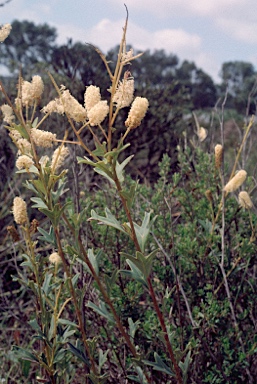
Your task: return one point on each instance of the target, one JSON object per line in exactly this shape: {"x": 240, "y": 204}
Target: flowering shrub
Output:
{"x": 145, "y": 289}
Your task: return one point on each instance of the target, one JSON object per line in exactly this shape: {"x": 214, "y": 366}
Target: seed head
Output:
{"x": 245, "y": 200}
{"x": 19, "y": 210}
{"x": 13, "y": 232}
{"x": 236, "y": 181}
{"x": 137, "y": 112}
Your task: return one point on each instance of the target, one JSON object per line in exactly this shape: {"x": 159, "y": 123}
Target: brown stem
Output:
{"x": 164, "y": 329}
{"x": 127, "y": 211}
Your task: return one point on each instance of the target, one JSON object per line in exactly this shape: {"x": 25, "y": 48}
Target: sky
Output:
{"x": 208, "y": 32}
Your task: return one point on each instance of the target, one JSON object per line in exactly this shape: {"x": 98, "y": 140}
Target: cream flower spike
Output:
{"x": 19, "y": 210}
{"x": 5, "y": 31}
{"x": 245, "y": 200}
{"x": 236, "y": 181}
{"x": 137, "y": 112}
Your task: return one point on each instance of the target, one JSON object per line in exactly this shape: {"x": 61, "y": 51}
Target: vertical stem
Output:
{"x": 164, "y": 329}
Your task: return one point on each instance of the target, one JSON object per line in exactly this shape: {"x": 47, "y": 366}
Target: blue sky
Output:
{"x": 208, "y": 32}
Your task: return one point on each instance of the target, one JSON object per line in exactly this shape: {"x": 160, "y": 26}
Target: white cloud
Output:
{"x": 107, "y": 34}
{"x": 167, "y": 8}
{"x": 243, "y": 29}
{"x": 69, "y": 30}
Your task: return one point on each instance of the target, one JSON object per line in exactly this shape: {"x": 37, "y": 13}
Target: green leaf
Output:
{"x": 185, "y": 366}
{"x": 56, "y": 213}
{"x": 39, "y": 203}
{"x": 24, "y": 355}
{"x": 109, "y": 220}
{"x": 67, "y": 333}
{"x": 110, "y": 280}
{"x": 22, "y": 130}
{"x": 67, "y": 322}
{"x": 98, "y": 379}
{"x": 60, "y": 190}
{"x": 100, "y": 150}
{"x": 34, "y": 124}
{"x": 59, "y": 356}
{"x": 120, "y": 168}
{"x": 39, "y": 187}
{"x": 129, "y": 195}
{"x": 46, "y": 283}
{"x": 94, "y": 260}
{"x": 135, "y": 273}
{"x": 143, "y": 263}
{"x": 75, "y": 278}
{"x": 101, "y": 310}
{"x": 140, "y": 378}
{"x": 159, "y": 365}
{"x": 27, "y": 262}
{"x": 143, "y": 231}
{"x": 48, "y": 237}
{"x": 79, "y": 352}
{"x": 133, "y": 327}
{"x": 102, "y": 358}
{"x": 100, "y": 165}
{"x": 52, "y": 327}
{"x": 116, "y": 151}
